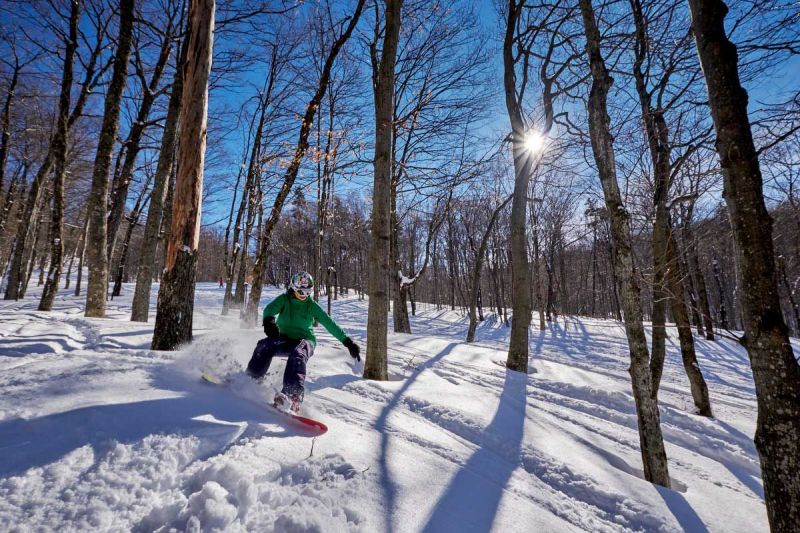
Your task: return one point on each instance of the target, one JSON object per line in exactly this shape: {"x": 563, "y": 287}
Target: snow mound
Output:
{"x": 311, "y": 496}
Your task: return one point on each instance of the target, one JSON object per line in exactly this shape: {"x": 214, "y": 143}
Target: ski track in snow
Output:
{"x": 97, "y": 432}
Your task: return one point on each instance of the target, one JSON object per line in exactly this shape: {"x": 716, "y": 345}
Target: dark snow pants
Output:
{"x": 298, "y": 352}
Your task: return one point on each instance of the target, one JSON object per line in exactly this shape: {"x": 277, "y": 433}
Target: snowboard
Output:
{"x": 308, "y": 424}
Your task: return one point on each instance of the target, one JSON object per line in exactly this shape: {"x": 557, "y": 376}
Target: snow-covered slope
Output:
{"x": 99, "y": 433}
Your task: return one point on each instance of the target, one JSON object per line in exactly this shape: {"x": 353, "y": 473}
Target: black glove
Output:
{"x": 270, "y": 328}
{"x": 352, "y": 348}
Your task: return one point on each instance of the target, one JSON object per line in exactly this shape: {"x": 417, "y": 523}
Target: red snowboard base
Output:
{"x": 302, "y": 422}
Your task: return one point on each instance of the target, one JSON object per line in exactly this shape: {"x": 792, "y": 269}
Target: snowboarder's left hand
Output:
{"x": 352, "y": 348}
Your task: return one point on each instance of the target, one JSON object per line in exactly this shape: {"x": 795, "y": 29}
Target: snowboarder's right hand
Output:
{"x": 270, "y": 328}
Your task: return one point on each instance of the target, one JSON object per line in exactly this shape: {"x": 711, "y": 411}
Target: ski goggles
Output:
{"x": 303, "y": 293}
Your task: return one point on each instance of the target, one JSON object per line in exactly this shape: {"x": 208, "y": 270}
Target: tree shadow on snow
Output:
{"x": 211, "y": 413}
{"x": 473, "y": 496}
{"x": 381, "y": 424}
{"x": 682, "y": 510}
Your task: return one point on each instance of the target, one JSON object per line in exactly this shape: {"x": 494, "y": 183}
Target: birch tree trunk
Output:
{"x": 375, "y": 366}
{"x": 175, "y": 310}
{"x": 97, "y": 284}
{"x": 651, "y": 441}
{"x": 776, "y": 372}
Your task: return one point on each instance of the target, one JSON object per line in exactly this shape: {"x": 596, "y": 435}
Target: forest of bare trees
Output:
{"x": 515, "y": 162}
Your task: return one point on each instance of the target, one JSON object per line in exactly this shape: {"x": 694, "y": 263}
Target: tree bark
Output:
{"x": 697, "y": 277}
{"x": 5, "y": 123}
{"x": 379, "y": 261}
{"x": 776, "y": 372}
{"x": 667, "y": 284}
{"x": 175, "y": 309}
{"x": 97, "y": 257}
{"x": 82, "y": 255}
{"x": 520, "y": 279}
{"x": 133, "y": 220}
{"x": 474, "y": 293}
{"x": 651, "y": 441}
{"x": 697, "y": 382}
{"x": 140, "y": 308}
{"x": 60, "y": 163}
{"x": 119, "y": 189}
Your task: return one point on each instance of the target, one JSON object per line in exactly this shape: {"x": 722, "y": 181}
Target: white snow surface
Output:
{"x": 99, "y": 433}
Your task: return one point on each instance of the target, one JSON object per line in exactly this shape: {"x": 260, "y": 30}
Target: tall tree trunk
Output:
{"x": 14, "y": 196}
{"x": 651, "y": 441}
{"x": 82, "y": 255}
{"x": 60, "y": 163}
{"x": 376, "y": 365}
{"x": 140, "y": 307}
{"x": 474, "y": 293}
{"x": 5, "y": 124}
{"x": 721, "y": 289}
{"x": 33, "y": 202}
{"x": 667, "y": 285}
{"x": 97, "y": 257}
{"x": 78, "y": 243}
{"x": 175, "y": 309}
{"x": 119, "y": 189}
{"x": 250, "y": 311}
{"x": 697, "y": 276}
{"x": 520, "y": 296}
{"x": 697, "y": 383}
{"x": 133, "y": 220}
{"x": 400, "y": 319}
{"x": 776, "y": 372}
{"x": 21, "y": 251}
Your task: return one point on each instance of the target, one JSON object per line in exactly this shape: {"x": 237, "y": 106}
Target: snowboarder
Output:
{"x": 292, "y": 335}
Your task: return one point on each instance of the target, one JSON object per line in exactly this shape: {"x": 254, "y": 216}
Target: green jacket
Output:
{"x": 296, "y": 318}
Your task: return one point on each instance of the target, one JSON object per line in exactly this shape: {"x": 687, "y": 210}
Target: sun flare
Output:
{"x": 534, "y": 142}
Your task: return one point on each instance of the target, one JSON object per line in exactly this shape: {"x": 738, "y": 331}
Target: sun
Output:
{"x": 534, "y": 142}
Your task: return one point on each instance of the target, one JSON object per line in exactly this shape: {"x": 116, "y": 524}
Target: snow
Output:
{"x": 98, "y": 432}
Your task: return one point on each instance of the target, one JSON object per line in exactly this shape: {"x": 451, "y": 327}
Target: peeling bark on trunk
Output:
{"x": 97, "y": 284}
{"x": 776, "y": 372}
{"x": 651, "y": 441}
{"x": 175, "y": 309}
{"x": 140, "y": 308}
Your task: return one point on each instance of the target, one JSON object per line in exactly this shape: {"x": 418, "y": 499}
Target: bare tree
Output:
{"x": 776, "y": 372}
{"x": 651, "y": 440}
{"x": 140, "y": 307}
{"x": 521, "y": 301}
{"x": 60, "y": 164}
{"x": 97, "y": 256}
{"x": 250, "y": 310}
{"x": 375, "y": 366}
{"x": 176, "y": 294}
